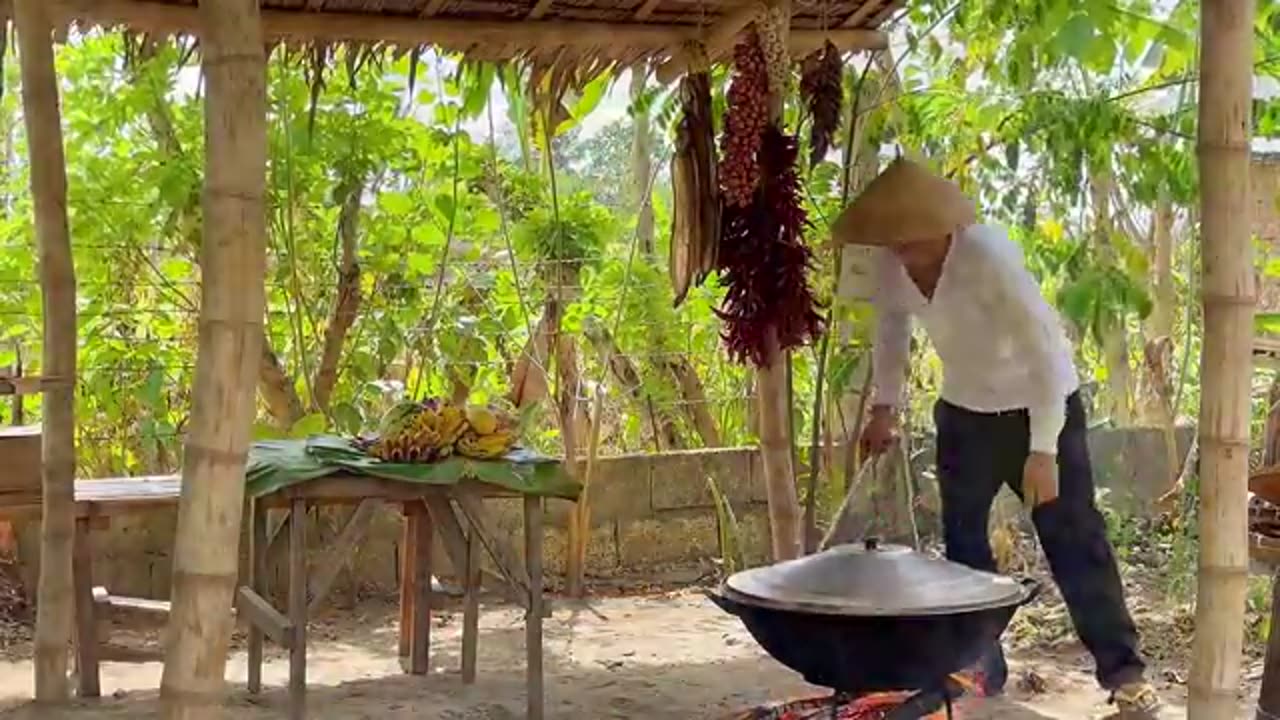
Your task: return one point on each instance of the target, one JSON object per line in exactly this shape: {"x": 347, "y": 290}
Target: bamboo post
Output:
{"x": 233, "y": 260}
{"x": 58, "y": 303}
{"x": 1226, "y": 78}
{"x": 773, "y": 402}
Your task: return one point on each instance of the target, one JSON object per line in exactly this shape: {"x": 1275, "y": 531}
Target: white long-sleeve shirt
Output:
{"x": 1002, "y": 346}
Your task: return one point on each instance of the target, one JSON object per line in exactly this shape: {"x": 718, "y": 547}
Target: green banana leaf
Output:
{"x": 277, "y": 464}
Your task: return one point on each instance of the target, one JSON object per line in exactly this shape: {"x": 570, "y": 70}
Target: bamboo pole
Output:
{"x": 48, "y": 169}
{"x": 773, "y": 401}
{"x": 233, "y": 260}
{"x": 1228, "y": 294}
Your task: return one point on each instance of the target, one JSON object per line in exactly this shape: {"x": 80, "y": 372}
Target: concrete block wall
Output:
{"x": 649, "y": 513}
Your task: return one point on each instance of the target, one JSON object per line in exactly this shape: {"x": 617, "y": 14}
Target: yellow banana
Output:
{"x": 482, "y": 419}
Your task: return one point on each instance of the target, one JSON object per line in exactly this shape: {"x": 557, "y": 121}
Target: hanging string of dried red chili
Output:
{"x": 764, "y": 260}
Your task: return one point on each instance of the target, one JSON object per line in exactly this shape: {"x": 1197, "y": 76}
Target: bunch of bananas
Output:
{"x": 491, "y": 433}
{"x": 417, "y": 432}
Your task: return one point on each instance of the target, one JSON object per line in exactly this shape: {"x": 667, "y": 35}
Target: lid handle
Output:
{"x": 871, "y": 543}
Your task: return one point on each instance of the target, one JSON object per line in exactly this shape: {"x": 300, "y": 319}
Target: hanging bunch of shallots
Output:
{"x": 695, "y": 234}
{"x": 823, "y": 96}
{"x": 768, "y": 306}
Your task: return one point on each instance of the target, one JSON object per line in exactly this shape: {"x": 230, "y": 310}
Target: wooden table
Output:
{"x": 454, "y": 512}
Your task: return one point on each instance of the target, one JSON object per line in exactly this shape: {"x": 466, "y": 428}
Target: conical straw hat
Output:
{"x": 905, "y": 203}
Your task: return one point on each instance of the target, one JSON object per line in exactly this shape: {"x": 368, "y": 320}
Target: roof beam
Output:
{"x": 802, "y": 43}
{"x": 647, "y": 9}
{"x": 452, "y": 34}
{"x": 717, "y": 40}
{"x": 864, "y": 11}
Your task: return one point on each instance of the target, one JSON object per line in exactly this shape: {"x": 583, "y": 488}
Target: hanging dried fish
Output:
{"x": 823, "y": 94}
{"x": 695, "y": 233}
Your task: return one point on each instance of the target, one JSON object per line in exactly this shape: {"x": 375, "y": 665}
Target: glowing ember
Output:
{"x": 875, "y": 706}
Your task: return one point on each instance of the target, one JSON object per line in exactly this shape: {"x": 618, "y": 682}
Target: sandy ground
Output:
{"x": 668, "y": 656}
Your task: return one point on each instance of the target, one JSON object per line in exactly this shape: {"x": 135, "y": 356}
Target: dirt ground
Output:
{"x": 671, "y": 655}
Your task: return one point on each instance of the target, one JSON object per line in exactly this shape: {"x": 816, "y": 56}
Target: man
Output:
{"x": 1010, "y": 411}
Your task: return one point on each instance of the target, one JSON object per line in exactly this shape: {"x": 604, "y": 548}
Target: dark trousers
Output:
{"x": 977, "y": 452}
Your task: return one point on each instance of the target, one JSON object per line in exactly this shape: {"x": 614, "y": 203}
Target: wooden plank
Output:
{"x": 470, "y": 608}
{"x": 533, "y": 618}
{"x": 257, "y": 584}
{"x": 432, "y": 7}
{"x": 263, "y": 619}
{"x": 859, "y": 16}
{"x": 341, "y": 552}
{"x": 454, "y": 540}
{"x": 338, "y": 489}
{"x": 86, "y": 626}
{"x": 156, "y": 609}
{"x": 646, "y": 9}
{"x": 450, "y": 530}
{"x": 28, "y": 385}
{"x": 277, "y": 550}
{"x": 886, "y": 12}
{"x": 540, "y": 10}
{"x": 298, "y": 611}
{"x": 420, "y": 647}
{"x": 110, "y": 652}
{"x": 516, "y": 574}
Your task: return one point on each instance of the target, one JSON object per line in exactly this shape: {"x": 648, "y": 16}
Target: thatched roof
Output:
{"x": 590, "y": 32}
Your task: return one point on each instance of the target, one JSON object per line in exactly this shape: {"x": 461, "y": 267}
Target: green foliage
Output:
{"x": 574, "y": 233}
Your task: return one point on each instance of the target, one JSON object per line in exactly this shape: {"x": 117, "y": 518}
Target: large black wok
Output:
{"x": 869, "y": 617}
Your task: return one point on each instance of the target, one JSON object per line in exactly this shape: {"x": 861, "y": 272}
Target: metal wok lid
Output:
{"x": 870, "y": 579}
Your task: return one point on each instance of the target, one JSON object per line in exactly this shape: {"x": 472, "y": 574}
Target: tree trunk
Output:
{"x": 1157, "y": 397}
{"x": 1226, "y": 81}
{"x": 625, "y": 373}
{"x": 346, "y": 303}
{"x": 1115, "y": 337}
{"x": 1164, "y": 307}
{"x": 277, "y": 388}
{"x": 233, "y": 265}
{"x": 529, "y": 376}
{"x": 48, "y": 169}
{"x": 642, "y": 162}
{"x": 694, "y": 398}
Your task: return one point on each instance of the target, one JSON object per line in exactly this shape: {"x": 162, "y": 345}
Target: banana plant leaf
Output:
{"x": 278, "y": 464}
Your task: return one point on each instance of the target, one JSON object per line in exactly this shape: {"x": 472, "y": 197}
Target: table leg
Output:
{"x": 471, "y": 607}
{"x": 420, "y": 647}
{"x": 298, "y": 610}
{"x": 85, "y": 617}
{"x": 257, "y": 583}
{"x": 533, "y": 619}
{"x": 408, "y": 552}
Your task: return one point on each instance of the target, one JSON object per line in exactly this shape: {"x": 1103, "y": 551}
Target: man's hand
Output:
{"x": 881, "y": 431}
{"x": 1040, "y": 479}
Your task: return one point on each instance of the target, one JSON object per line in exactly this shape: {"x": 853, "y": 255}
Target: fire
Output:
{"x": 875, "y": 706}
